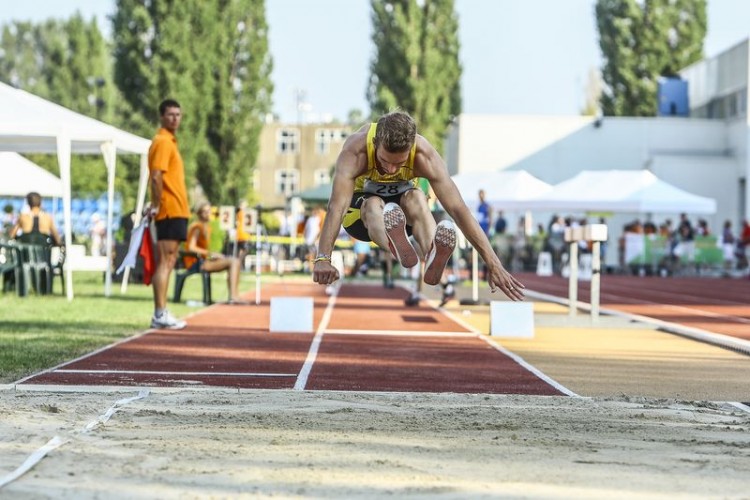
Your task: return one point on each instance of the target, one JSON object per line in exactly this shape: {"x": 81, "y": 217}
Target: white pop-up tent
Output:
{"x": 21, "y": 176}
{"x": 622, "y": 191}
{"x": 505, "y": 189}
{"x": 30, "y": 124}
{"x": 508, "y": 189}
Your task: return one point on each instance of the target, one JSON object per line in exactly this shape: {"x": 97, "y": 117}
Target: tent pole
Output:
{"x": 573, "y": 278}
{"x": 109, "y": 152}
{"x": 63, "y": 159}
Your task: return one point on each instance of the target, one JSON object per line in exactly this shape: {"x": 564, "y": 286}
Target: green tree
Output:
{"x": 677, "y": 29}
{"x": 19, "y": 56}
{"x": 213, "y": 58}
{"x": 66, "y": 62}
{"x": 640, "y": 42}
{"x": 416, "y": 65}
{"x": 242, "y": 98}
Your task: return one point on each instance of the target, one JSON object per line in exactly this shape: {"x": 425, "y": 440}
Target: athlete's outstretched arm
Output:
{"x": 432, "y": 167}
{"x": 341, "y": 195}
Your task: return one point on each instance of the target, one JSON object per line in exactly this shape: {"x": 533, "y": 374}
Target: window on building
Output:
{"x": 325, "y": 137}
{"x": 742, "y": 102}
{"x": 321, "y": 176}
{"x": 732, "y": 105}
{"x": 287, "y": 182}
{"x": 287, "y": 141}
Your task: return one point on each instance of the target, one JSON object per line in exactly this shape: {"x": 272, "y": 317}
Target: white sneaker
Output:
{"x": 395, "y": 229}
{"x": 167, "y": 322}
{"x": 442, "y": 248}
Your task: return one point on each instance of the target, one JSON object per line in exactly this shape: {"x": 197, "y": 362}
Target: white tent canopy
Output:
{"x": 632, "y": 191}
{"x": 21, "y": 176}
{"x": 30, "y": 124}
{"x": 505, "y": 189}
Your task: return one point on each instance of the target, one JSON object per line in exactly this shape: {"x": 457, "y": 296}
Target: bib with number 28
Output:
{"x": 387, "y": 188}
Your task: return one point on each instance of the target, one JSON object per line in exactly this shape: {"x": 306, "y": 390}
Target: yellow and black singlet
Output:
{"x": 374, "y": 182}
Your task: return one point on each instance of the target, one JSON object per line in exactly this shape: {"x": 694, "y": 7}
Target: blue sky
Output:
{"x": 519, "y": 56}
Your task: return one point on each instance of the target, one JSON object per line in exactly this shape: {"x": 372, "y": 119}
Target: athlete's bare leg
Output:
{"x": 166, "y": 254}
{"x": 232, "y": 266}
{"x": 371, "y": 213}
{"x": 419, "y": 217}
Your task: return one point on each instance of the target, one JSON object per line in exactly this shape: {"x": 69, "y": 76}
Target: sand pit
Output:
{"x": 287, "y": 444}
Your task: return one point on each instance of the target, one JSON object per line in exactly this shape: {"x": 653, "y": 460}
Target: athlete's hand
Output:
{"x": 502, "y": 279}
{"x": 324, "y": 273}
{"x": 150, "y": 211}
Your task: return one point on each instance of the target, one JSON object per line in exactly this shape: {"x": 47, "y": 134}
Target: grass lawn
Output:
{"x": 38, "y": 332}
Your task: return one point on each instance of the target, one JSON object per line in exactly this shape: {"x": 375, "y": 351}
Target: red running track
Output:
{"x": 371, "y": 342}
{"x": 719, "y": 305}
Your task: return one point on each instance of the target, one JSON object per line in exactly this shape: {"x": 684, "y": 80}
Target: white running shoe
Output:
{"x": 395, "y": 229}
{"x": 167, "y": 322}
{"x": 442, "y": 248}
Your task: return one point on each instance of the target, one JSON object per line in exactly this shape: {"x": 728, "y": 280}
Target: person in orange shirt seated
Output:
{"x": 201, "y": 258}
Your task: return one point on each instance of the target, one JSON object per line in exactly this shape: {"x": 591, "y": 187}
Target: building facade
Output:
{"x": 718, "y": 87}
{"x": 295, "y": 157}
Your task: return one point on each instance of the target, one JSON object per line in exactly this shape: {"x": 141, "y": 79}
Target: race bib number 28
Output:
{"x": 387, "y": 188}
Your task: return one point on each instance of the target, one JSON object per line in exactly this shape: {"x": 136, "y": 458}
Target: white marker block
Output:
{"x": 544, "y": 264}
{"x": 512, "y": 319}
{"x": 585, "y": 267}
{"x": 292, "y": 314}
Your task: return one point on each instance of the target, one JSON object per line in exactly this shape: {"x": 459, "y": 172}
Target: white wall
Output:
{"x": 704, "y": 157}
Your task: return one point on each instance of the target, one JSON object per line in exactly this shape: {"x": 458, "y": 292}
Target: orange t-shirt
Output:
{"x": 163, "y": 155}
{"x": 202, "y": 233}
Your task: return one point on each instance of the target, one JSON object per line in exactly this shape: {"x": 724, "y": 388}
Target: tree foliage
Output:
{"x": 213, "y": 58}
{"x": 416, "y": 65}
{"x": 66, "y": 62}
{"x": 640, "y": 42}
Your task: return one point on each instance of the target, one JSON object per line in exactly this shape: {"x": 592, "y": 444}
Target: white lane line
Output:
{"x": 192, "y": 374}
{"x": 304, "y": 373}
{"x": 88, "y": 355}
{"x": 57, "y": 441}
{"x": 105, "y": 348}
{"x": 693, "y": 311}
{"x": 58, "y": 368}
{"x": 400, "y": 333}
{"x": 717, "y": 339}
{"x": 518, "y": 359}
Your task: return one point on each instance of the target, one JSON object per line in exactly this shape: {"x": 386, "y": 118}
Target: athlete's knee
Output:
{"x": 414, "y": 196}
{"x": 373, "y": 203}
{"x": 371, "y": 207}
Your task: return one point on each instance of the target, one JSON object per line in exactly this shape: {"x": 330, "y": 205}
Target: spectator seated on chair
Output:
{"x": 37, "y": 232}
{"x": 36, "y": 221}
{"x": 197, "y": 256}
{"x": 182, "y": 273}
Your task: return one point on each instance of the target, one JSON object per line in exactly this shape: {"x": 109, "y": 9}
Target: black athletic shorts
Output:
{"x": 171, "y": 229}
{"x": 353, "y": 222}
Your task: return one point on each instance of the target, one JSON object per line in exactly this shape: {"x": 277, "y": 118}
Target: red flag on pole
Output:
{"x": 149, "y": 260}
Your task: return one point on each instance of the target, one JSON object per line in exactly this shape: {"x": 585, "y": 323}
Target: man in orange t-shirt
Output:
{"x": 169, "y": 208}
